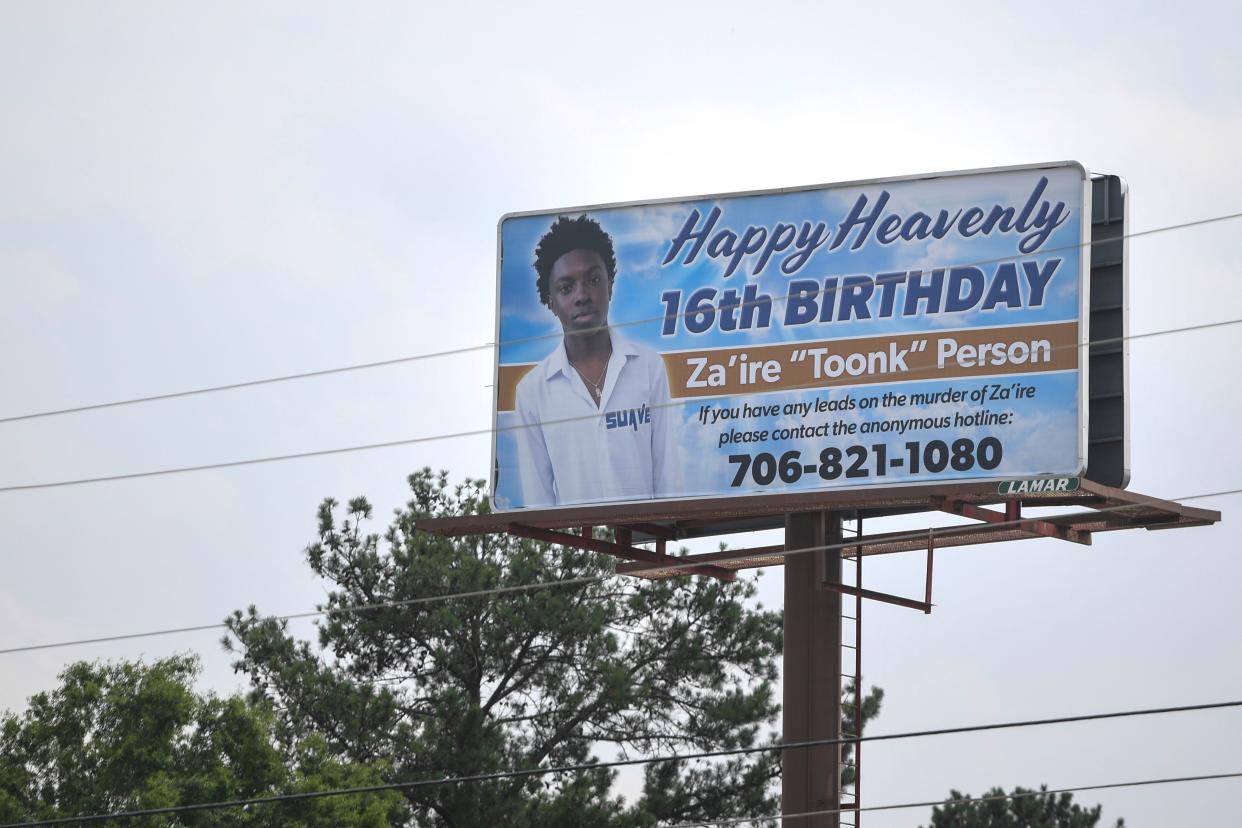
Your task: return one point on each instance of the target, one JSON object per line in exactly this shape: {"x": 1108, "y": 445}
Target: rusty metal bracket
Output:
{"x": 878, "y": 596}
{"x": 927, "y": 583}
{"x": 1110, "y": 509}
{"x": 631, "y": 553}
{"x": 1013, "y": 516}
{"x": 925, "y": 605}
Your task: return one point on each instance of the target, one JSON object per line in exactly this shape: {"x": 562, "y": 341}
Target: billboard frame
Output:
{"x": 1108, "y": 423}
{"x": 1083, "y": 337}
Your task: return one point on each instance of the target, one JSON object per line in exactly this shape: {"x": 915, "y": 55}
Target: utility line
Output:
{"x": 232, "y": 386}
{"x": 520, "y": 340}
{"x": 302, "y": 455}
{"x": 586, "y": 766}
{"x": 409, "y": 602}
{"x": 936, "y": 802}
{"x": 675, "y": 564}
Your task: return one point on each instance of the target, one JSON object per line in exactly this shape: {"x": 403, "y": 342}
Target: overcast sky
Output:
{"x": 201, "y": 194}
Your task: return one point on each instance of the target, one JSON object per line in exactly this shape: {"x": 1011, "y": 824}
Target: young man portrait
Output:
{"x": 594, "y": 417}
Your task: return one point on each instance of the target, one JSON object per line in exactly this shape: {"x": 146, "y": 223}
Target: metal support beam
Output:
{"x": 811, "y": 777}
{"x": 931, "y": 554}
{"x": 630, "y": 553}
{"x": 858, "y": 592}
{"x": 1012, "y": 513}
{"x": 727, "y": 558}
{"x": 653, "y": 529}
{"x": 883, "y": 597}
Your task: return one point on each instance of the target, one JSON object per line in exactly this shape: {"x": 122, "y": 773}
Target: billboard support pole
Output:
{"x": 811, "y": 777}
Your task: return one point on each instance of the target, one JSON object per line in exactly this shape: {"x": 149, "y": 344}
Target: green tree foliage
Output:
{"x": 1026, "y": 808}
{"x": 849, "y": 726}
{"x": 522, "y": 678}
{"x": 132, "y": 736}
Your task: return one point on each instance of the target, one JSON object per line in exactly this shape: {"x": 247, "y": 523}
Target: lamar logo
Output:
{"x": 1045, "y": 485}
{"x": 633, "y": 417}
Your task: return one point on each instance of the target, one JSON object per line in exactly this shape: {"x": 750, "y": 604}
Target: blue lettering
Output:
{"x": 1024, "y": 218}
{"x": 688, "y": 233}
{"x": 890, "y": 229}
{"x": 828, "y": 300}
{"x": 801, "y": 307}
{"x": 918, "y": 226}
{"x": 888, "y": 282}
{"x": 1036, "y": 220}
{"x": 972, "y": 278}
{"x": 1004, "y": 288}
{"x": 809, "y": 239}
{"x": 722, "y": 244}
{"x": 1047, "y": 222}
{"x": 782, "y": 236}
{"x": 632, "y": 417}
{"x": 672, "y": 301}
{"x": 972, "y": 217}
{"x": 752, "y": 242}
{"x": 1047, "y": 219}
{"x": 917, "y": 292}
{"x": 857, "y": 219}
{"x": 1001, "y": 216}
{"x": 728, "y": 306}
{"x": 855, "y": 293}
{"x": 700, "y": 315}
{"x": 752, "y": 301}
{"x": 944, "y": 224}
{"x": 1038, "y": 279}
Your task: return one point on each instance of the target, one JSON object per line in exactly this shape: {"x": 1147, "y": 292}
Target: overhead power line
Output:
{"x": 232, "y": 386}
{"x": 675, "y": 564}
{"x": 302, "y": 455}
{"x": 1206, "y": 777}
{"x": 587, "y": 766}
{"x": 211, "y": 389}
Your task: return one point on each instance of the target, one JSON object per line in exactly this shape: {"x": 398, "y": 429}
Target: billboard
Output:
{"x": 881, "y": 333}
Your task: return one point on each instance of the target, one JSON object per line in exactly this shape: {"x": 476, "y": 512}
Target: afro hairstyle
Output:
{"x": 565, "y": 235}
